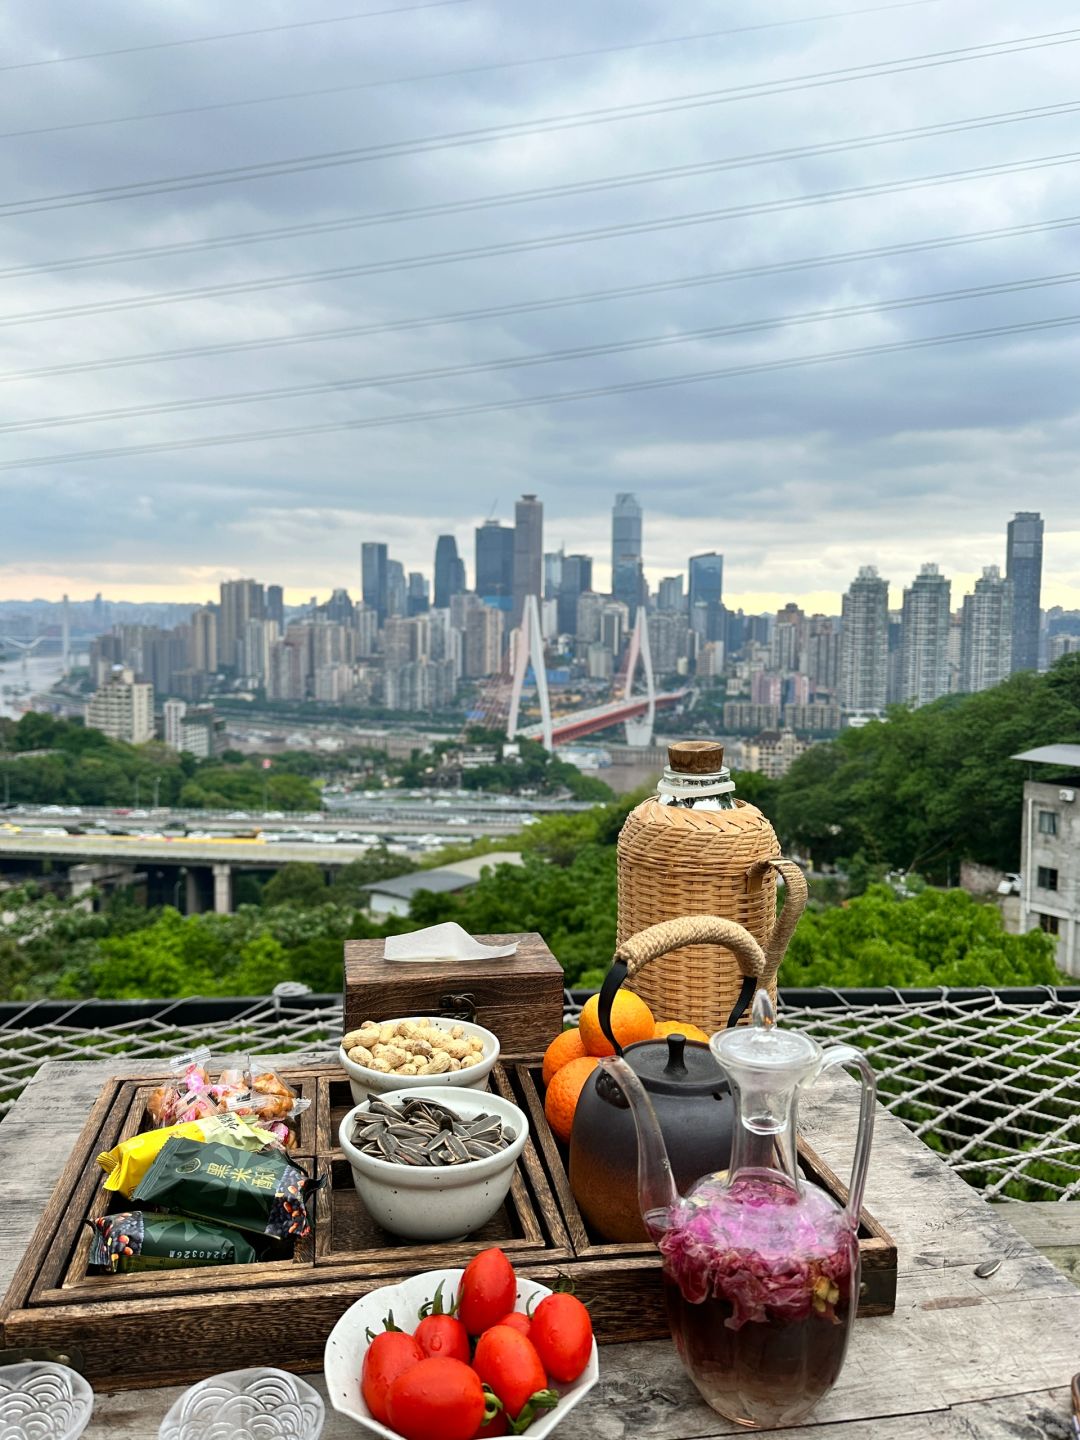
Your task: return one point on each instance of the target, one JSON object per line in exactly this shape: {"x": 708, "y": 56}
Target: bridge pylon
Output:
{"x": 639, "y": 731}
{"x": 527, "y": 642}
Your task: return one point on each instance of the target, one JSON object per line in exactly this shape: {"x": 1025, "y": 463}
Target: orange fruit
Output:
{"x": 564, "y": 1092}
{"x": 676, "y": 1027}
{"x": 564, "y": 1048}
{"x": 631, "y": 1020}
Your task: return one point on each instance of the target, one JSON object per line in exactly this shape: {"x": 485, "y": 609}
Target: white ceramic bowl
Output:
{"x": 47, "y": 1401}
{"x": 436, "y": 1202}
{"x": 364, "y": 1081}
{"x": 348, "y": 1342}
{"x": 271, "y": 1404}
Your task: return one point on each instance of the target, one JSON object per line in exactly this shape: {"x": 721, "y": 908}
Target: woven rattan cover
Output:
{"x": 674, "y": 862}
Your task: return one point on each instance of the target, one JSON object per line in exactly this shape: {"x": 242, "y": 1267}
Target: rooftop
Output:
{"x": 443, "y": 879}
{"x": 1052, "y": 755}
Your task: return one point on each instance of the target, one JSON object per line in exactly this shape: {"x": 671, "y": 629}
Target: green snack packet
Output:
{"x": 263, "y": 1194}
{"x": 138, "y": 1241}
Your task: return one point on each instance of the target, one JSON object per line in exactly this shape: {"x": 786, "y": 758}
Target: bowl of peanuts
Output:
{"x": 404, "y": 1054}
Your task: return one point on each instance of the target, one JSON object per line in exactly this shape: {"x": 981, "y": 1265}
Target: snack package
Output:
{"x": 191, "y": 1094}
{"x": 268, "y": 1099}
{"x": 262, "y": 1194}
{"x": 139, "y": 1241}
{"x": 126, "y": 1164}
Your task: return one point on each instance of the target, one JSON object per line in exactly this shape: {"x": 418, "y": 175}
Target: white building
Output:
{"x": 123, "y": 709}
{"x": 1050, "y": 854}
{"x": 986, "y": 634}
{"x": 192, "y": 731}
{"x": 926, "y": 620}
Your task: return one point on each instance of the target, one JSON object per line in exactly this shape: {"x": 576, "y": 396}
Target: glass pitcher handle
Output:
{"x": 850, "y": 1055}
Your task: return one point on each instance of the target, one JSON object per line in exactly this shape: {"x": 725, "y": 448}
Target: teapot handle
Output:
{"x": 852, "y": 1055}
{"x": 636, "y": 952}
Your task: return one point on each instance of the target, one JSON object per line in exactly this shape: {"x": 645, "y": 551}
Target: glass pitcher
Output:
{"x": 761, "y": 1267}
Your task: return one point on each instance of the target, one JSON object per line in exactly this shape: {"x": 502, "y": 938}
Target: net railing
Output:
{"x": 989, "y": 1082}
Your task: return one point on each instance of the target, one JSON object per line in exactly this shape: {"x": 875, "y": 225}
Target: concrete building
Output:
{"x": 772, "y": 752}
{"x": 986, "y": 632}
{"x": 483, "y": 641}
{"x": 1023, "y": 566}
{"x": 241, "y": 601}
{"x": 275, "y": 606}
{"x": 590, "y": 608}
{"x": 812, "y": 719}
{"x": 394, "y": 896}
{"x": 203, "y": 640}
{"x": 625, "y": 531}
{"x": 614, "y": 626}
{"x": 670, "y": 594}
{"x": 786, "y": 642}
{"x": 1050, "y": 853}
{"x": 669, "y": 637}
{"x": 576, "y": 580}
{"x": 191, "y": 731}
{"x": 421, "y": 685}
{"x": 864, "y": 647}
{"x": 925, "y": 638}
{"x": 706, "y": 588}
{"x": 397, "y": 589}
{"x": 821, "y": 660}
{"x": 743, "y": 717}
{"x": 123, "y": 709}
{"x": 449, "y": 571}
{"x": 528, "y": 552}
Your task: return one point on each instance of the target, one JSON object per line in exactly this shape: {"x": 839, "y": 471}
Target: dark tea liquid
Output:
{"x": 759, "y": 1281}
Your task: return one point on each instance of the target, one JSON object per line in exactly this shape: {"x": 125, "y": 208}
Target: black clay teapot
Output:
{"x": 687, "y": 1087}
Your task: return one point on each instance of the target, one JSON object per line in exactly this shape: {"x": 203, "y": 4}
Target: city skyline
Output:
{"x": 820, "y": 238}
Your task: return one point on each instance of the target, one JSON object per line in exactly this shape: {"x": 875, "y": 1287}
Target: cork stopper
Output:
{"x": 696, "y": 757}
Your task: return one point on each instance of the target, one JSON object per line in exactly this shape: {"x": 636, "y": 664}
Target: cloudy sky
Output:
{"x": 456, "y": 158}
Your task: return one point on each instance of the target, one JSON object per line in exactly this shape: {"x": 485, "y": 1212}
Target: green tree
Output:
{"x": 295, "y": 884}
{"x": 347, "y": 887}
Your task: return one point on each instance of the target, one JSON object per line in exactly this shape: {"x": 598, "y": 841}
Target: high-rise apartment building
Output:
{"x": 669, "y": 635}
{"x": 864, "y": 649}
{"x": 1023, "y": 567}
{"x": 576, "y": 579}
{"x": 494, "y": 562}
{"x": 590, "y": 606}
{"x": 123, "y": 708}
{"x": 614, "y": 626}
{"x": 449, "y": 572}
{"x": 821, "y": 660}
{"x": 786, "y": 644}
{"x": 706, "y": 587}
{"x": 203, "y": 640}
{"x": 625, "y": 532}
{"x": 528, "y": 552}
{"x": 986, "y": 634}
{"x": 275, "y": 606}
{"x": 253, "y": 650}
{"x": 925, "y": 640}
{"x": 373, "y": 561}
{"x": 241, "y": 601}
{"x": 483, "y": 642}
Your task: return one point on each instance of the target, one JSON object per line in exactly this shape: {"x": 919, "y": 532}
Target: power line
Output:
{"x": 202, "y": 179}
{"x": 461, "y": 71}
{"x": 544, "y": 242}
{"x": 555, "y": 302}
{"x": 520, "y": 362}
{"x": 540, "y": 193}
{"x": 231, "y": 35}
{"x": 557, "y": 398}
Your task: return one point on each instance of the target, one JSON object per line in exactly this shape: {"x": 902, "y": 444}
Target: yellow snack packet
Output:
{"x": 127, "y": 1163}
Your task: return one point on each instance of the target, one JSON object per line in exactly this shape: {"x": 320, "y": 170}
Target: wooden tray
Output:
{"x": 623, "y": 1282}
{"x": 175, "y": 1326}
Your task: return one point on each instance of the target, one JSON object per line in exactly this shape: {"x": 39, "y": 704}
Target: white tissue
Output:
{"x": 442, "y": 942}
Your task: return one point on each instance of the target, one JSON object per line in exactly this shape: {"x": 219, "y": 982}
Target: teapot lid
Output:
{"x": 763, "y": 1045}
{"x": 675, "y": 1066}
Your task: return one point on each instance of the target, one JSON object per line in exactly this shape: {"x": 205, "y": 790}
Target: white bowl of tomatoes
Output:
{"x": 513, "y": 1356}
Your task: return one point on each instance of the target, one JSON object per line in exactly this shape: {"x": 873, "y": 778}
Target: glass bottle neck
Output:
{"x": 713, "y": 791}
{"x": 763, "y": 1136}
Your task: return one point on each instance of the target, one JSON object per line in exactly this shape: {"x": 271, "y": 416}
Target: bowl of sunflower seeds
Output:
{"x": 433, "y": 1163}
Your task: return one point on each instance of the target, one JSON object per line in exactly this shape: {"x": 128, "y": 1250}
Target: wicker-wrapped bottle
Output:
{"x": 695, "y": 849}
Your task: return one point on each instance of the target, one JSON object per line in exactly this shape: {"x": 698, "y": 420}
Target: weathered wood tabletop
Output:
{"x": 961, "y": 1357}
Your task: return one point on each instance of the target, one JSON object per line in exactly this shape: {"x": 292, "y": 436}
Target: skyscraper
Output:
{"x": 628, "y": 583}
{"x": 670, "y": 595}
{"x": 373, "y": 561}
{"x": 241, "y": 601}
{"x": 418, "y": 598}
{"x": 528, "y": 552}
{"x": 786, "y": 644}
{"x": 553, "y": 563}
{"x": 494, "y": 561}
{"x": 275, "y": 605}
{"x": 864, "y": 649}
{"x": 925, "y": 663}
{"x": 449, "y": 572}
{"x": 1023, "y": 566}
{"x": 576, "y": 579}
{"x": 707, "y": 588}
{"x": 986, "y": 632}
{"x": 397, "y": 593}
{"x": 625, "y": 531}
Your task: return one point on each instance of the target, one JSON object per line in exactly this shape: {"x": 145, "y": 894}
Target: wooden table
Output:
{"x": 961, "y": 1357}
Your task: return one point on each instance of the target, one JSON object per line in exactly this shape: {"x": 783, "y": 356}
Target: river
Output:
{"x": 39, "y": 672}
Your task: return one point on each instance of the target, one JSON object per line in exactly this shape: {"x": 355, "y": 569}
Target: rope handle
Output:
{"x": 657, "y": 940}
{"x": 634, "y": 954}
{"x": 795, "y": 897}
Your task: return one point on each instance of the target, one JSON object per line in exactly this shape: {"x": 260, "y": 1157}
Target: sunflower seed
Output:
{"x": 424, "y": 1132}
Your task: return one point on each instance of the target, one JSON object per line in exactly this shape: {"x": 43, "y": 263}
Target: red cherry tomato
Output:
{"x": 561, "y": 1332}
{"x": 487, "y": 1291}
{"x": 497, "y": 1425}
{"x": 438, "y": 1399}
{"x": 388, "y": 1356}
{"x": 507, "y": 1362}
{"x": 517, "y": 1320}
{"x": 443, "y": 1335}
